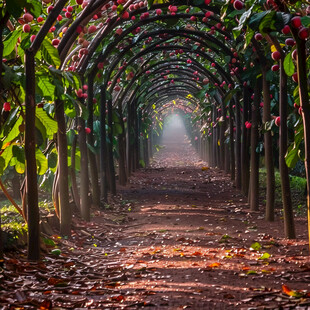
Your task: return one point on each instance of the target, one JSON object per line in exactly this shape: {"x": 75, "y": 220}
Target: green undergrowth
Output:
{"x": 298, "y": 191}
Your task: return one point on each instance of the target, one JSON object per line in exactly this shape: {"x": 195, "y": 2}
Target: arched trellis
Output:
{"x": 121, "y": 98}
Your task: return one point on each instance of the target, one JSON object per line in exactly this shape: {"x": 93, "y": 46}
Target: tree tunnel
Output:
{"x": 87, "y": 82}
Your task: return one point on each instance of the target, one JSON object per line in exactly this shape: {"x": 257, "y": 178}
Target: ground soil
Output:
{"x": 178, "y": 236}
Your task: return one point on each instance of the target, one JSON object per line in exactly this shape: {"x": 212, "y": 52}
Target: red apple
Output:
{"x": 258, "y": 36}
{"x": 49, "y": 9}
{"x": 68, "y": 15}
{"x": 26, "y": 28}
{"x": 28, "y": 17}
{"x": 296, "y": 22}
{"x": 193, "y": 18}
{"x": 125, "y": 15}
{"x": 7, "y": 106}
{"x": 275, "y": 68}
{"x": 238, "y": 5}
{"x": 303, "y": 33}
{"x": 286, "y": 29}
{"x": 55, "y": 42}
{"x": 290, "y": 42}
{"x": 40, "y": 19}
{"x": 276, "y": 55}
{"x": 69, "y": 8}
{"x": 32, "y": 38}
{"x": 87, "y": 130}
{"x": 92, "y": 29}
{"x": 119, "y": 31}
{"x": 79, "y": 2}
{"x": 295, "y": 77}
{"x": 277, "y": 121}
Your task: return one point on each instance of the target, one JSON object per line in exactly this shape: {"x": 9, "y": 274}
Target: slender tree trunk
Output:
{"x": 245, "y": 174}
{"x": 62, "y": 146}
{"x": 238, "y": 143}
{"x": 122, "y": 150}
{"x": 110, "y": 151}
{"x": 31, "y": 165}
{"x": 84, "y": 180}
{"x": 254, "y": 177}
{"x": 90, "y": 139}
{"x": 305, "y": 106}
{"x": 289, "y": 226}
{"x": 75, "y": 192}
{"x": 103, "y": 148}
{"x": 270, "y": 184}
{"x": 232, "y": 143}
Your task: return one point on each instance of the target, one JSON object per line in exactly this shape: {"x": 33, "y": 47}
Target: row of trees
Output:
{"x": 84, "y": 85}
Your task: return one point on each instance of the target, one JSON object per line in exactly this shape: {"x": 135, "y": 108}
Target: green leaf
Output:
{"x": 288, "y": 64}
{"x": 10, "y": 42}
{"x": 49, "y": 124}
{"x": 305, "y": 20}
{"x": 42, "y": 163}
{"x": 242, "y": 22}
{"x": 256, "y": 246}
{"x": 265, "y": 256}
{"x": 46, "y": 86}
{"x": 7, "y": 156}
{"x": 256, "y": 19}
{"x": 50, "y": 53}
{"x": 142, "y": 163}
{"x": 14, "y": 131}
{"x": 268, "y": 23}
{"x": 149, "y": 3}
{"x": 34, "y": 7}
{"x": 19, "y": 153}
{"x": 251, "y": 272}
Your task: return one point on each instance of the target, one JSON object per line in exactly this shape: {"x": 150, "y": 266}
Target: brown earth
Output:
{"x": 179, "y": 236}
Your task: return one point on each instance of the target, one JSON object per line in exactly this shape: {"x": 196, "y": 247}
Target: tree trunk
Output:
{"x": 62, "y": 146}
{"x": 270, "y": 182}
{"x": 31, "y": 165}
{"x": 238, "y": 143}
{"x": 245, "y": 174}
{"x": 103, "y": 148}
{"x": 110, "y": 151}
{"x": 75, "y": 192}
{"x": 90, "y": 139}
{"x": 84, "y": 180}
{"x": 254, "y": 176}
{"x": 232, "y": 143}
{"x": 122, "y": 150}
{"x": 289, "y": 226}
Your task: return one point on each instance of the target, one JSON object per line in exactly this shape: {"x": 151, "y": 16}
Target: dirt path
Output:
{"x": 185, "y": 243}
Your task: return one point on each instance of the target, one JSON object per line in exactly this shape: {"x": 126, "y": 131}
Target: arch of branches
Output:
{"x": 108, "y": 72}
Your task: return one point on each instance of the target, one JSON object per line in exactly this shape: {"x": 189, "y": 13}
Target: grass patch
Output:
{"x": 297, "y": 184}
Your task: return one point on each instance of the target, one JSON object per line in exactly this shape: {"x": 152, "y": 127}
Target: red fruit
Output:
{"x": 59, "y": 18}
{"x": 55, "y": 42}
{"x": 300, "y": 111}
{"x": 85, "y": 87}
{"x": 117, "y": 88}
{"x": 238, "y": 5}
{"x": 85, "y": 96}
{"x": 49, "y": 9}
{"x": 296, "y": 22}
{"x": 276, "y": 55}
{"x": 68, "y": 15}
{"x": 189, "y": 61}
{"x": 277, "y": 121}
{"x": 125, "y": 15}
{"x": 303, "y": 33}
{"x": 26, "y": 28}
{"x": 40, "y": 105}
{"x": 286, "y": 29}
{"x": 296, "y": 106}
{"x": 258, "y": 36}
{"x": 32, "y": 38}
{"x": 131, "y": 7}
{"x": 275, "y": 68}
{"x": 79, "y": 93}
{"x": 79, "y": 2}
{"x": 295, "y": 77}
{"x": 94, "y": 100}
{"x": 100, "y": 65}
{"x": 92, "y": 29}
{"x": 87, "y": 130}
{"x": 248, "y": 125}
{"x": 290, "y": 42}
{"x": 294, "y": 54}
{"x": 69, "y": 8}
{"x": 213, "y": 64}
{"x": 114, "y": 7}
{"x": 193, "y": 18}
{"x": 207, "y": 2}
{"x": 158, "y": 12}
{"x": 28, "y": 17}
{"x": 40, "y": 19}
{"x": 119, "y": 31}
{"x": 261, "y": 104}
{"x": 7, "y": 106}
{"x": 79, "y": 29}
